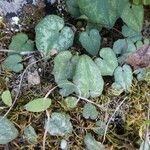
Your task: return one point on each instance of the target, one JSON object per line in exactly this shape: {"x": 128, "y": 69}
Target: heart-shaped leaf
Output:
{"x": 83, "y": 73}
{"x": 131, "y": 34}
{"x": 6, "y": 98}
{"x": 51, "y": 34}
{"x": 30, "y": 135}
{"x": 91, "y": 143}
{"x": 124, "y": 48}
{"x": 133, "y": 16}
{"x": 8, "y": 132}
{"x": 104, "y": 12}
{"x": 59, "y": 124}
{"x": 88, "y": 78}
{"x": 100, "y": 128}
{"x": 140, "y": 44}
{"x": 108, "y": 61}
{"x": 64, "y": 69}
{"x": 141, "y": 74}
{"x": 91, "y": 41}
{"x": 73, "y": 8}
{"x": 20, "y": 42}
{"x": 123, "y": 79}
{"x": 12, "y": 63}
{"x": 64, "y": 66}
{"x": 38, "y": 105}
{"x": 89, "y": 111}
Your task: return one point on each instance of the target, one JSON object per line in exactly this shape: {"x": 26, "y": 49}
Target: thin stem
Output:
{"x": 112, "y": 118}
{"x": 46, "y": 129}
{"x": 21, "y": 53}
{"x": 87, "y": 100}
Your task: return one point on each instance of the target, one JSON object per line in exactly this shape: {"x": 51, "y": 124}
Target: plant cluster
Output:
{"x": 80, "y": 74}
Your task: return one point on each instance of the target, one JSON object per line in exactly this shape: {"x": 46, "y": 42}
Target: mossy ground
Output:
{"x": 125, "y": 130}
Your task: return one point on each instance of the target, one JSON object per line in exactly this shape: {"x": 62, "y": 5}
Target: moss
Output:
{"x": 134, "y": 109}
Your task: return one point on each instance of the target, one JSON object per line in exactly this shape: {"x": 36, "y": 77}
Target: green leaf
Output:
{"x": 12, "y": 63}
{"x": 65, "y": 40}
{"x": 6, "y": 98}
{"x": 123, "y": 79}
{"x": 30, "y": 135}
{"x": 91, "y": 41}
{"x": 100, "y": 128}
{"x": 133, "y": 16}
{"x": 147, "y": 122}
{"x": 68, "y": 70}
{"x": 89, "y": 111}
{"x": 63, "y": 68}
{"x": 70, "y": 103}
{"x": 102, "y": 12}
{"x": 59, "y": 124}
{"x": 140, "y": 44}
{"x": 131, "y": 34}
{"x": 20, "y": 43}
{"x": 123, "y": 48}
{"x": 66, "y": 87}
{"x": 141, "y": 74}
{"x": 144, "y": 2}
{"x": 73, "y": 8}
{"x": 51, "y": 34}
{"x": 88, "y": 78}
{"x": 38, "y": 105}
{"x": 137, "y": 2}
{"x": 91, "y": 143}
{"x": 64, "y": 144}
{"x": 108, "y": 61}
{"x": 8, "y": 132}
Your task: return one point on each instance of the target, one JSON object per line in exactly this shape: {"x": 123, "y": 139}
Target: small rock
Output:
{"x": 33, "y": 78}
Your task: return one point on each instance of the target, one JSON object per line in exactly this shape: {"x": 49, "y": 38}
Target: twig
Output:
{"x": 21, "y": 53}
{"x": 49, "y": 92}
{"x": 48, "y": 117}
{"x": 46, "y": 129}
{"x": 112, "y": 118}
{"x": 87, "y": 100}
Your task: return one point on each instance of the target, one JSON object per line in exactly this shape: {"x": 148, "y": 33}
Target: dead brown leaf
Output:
{"x": 141, "y": 58}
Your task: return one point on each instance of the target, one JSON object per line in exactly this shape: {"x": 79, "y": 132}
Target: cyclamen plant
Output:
{"x": 75, "y": 73}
